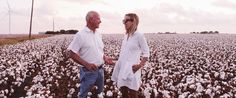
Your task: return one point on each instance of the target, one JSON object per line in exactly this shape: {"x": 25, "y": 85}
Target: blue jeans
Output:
{"x": 89, "y": 79}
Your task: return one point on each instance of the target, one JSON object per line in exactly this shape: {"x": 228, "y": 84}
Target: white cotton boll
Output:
{"x": 111, "y": 87}
{"x": 56, "y": 83}
{"x": 225, "y": 83}
{"x": 222, "y": 75}
{"x": 2, "y": 96}
{"x": 105, "y": 86}
{"x": 46, "y": 95}
{"x": 96, "y": 87}
{"x": 153, "y": 81}
{"x": 11, "y": 73}
{"x": 216, "y": 74}
{"x": 77, "y": 85}
{"x": 48, "y": 92}
{"x": 72, "y": 90}
{"x": 48, "y": 85}
{"x": 100, "y": 95}
{"x": 119, "y": 93}
{"x": 74, "y": 78}
{"x": 67, "y": 74}
{"x": 6, "y": 78}
{"x": 37, "y": 95}
{"x": 18, "y": 79}
{"x": 108, "y": 80}
{"x": 146, "y": 92}
{"x": 218, "y": 87}
{"x": 26, "y": 88}
{"x": 155, "y": 92}
{"x": 12, "y": 90}
{"x": 206, "y": 76}
{"x": 1, "y": 81}
{"x": 18, "y": 84}
{"x": 6, "y": 91}
{"x": 50, "y": 79}
{"x": 231, "y": 74}
{"x": 40, "y": 92}
{"x": 199, "y": 87}
{"x": 42, "y": 96}
{"x": 184, "y": 95}
{"x": 59, "y": 77}
{"x": 89, "y": 93}
{"x": 69, "y": 96}
{"x": 172, "y": 87}
{"x": 2, "y": 92}
{"x": 50, "y": 97}
{"x": 193, "y": 86}
{"x": 225, "y": 96}
{"x": 189, "y": 80}
{"x": 166, "y": 93}
{"x": 109, "y": 93}
{"x": 114, "y": 83}
{"x": 29, "y": 93}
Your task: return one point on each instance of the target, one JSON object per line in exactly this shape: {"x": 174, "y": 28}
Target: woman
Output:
{"x": 127, "y": 71}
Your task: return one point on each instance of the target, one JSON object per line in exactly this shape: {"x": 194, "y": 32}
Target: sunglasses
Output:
{"x": 126, "y": 20}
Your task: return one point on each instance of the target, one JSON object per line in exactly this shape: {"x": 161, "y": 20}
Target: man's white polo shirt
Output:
{"x": 88, "y": 45}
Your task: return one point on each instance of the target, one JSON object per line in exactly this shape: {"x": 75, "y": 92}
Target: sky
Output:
{"x": 180, "y": 16}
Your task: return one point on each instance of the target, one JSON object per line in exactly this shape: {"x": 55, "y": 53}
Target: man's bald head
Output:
{"x": 90, "y": 15}
{"x": 93, "y": 20}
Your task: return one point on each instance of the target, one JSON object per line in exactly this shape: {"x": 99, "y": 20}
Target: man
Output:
{"x": 87, "y": 50}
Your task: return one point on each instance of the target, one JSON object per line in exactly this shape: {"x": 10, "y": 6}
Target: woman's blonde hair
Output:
{"x": 135, "y": 23}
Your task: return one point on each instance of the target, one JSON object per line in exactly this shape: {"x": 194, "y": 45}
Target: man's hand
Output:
{"x": 109, "y": 61}
{"x": 91, "y": 67}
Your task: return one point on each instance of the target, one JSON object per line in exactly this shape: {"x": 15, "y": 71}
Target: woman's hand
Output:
{"x": 136, "y": 67}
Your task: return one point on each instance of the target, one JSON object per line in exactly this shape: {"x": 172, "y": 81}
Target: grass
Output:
{"x": 17, "y": 39}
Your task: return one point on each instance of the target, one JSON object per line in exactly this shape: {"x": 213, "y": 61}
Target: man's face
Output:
{"x": 96, "y": 21}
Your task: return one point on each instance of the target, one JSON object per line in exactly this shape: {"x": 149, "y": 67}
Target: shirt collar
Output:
{"x": 89, "y": 30}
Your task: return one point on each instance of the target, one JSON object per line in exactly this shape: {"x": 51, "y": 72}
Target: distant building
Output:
{"x": 42, "y": 32}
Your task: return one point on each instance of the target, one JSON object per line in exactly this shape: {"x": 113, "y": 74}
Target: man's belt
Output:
{"x": 101, "y": 66}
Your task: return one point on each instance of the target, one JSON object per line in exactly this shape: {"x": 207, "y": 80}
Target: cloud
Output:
{"x": 173, "y": 17}
{"x": 228, "y": 4}
{"x": 86, "y": 2}
{"x": 45, "y": 8}
{"x": 163, "y": 15}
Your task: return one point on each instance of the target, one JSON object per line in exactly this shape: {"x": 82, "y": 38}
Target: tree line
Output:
{"x": 205, "y": 32}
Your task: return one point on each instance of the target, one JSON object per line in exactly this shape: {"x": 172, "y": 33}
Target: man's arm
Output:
{"x": 81, "y": 61}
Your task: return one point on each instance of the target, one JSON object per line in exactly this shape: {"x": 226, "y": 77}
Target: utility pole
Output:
{"x": 31, "y": 18}
{"x": 9, "y": 12}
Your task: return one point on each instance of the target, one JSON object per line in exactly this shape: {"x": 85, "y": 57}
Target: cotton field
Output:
{"x": 180, "y": 66}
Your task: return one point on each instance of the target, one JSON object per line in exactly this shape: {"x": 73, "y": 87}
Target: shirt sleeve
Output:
{"x": 144, "y": 46}
{"x": 76, "y": 43}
